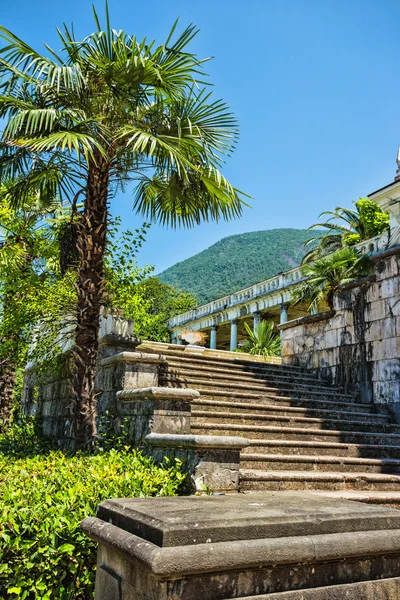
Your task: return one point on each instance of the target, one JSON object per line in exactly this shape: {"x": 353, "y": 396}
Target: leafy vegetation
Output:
{"x": 263, "y": 341}
{"x": 107, "y": 110}
{"x": 140, "y": 296}
{"x": 327, "y": 274}
{"x": 346, "y": 227}
{"x": 237, "y": 261}
{"x": 44, "y": 495}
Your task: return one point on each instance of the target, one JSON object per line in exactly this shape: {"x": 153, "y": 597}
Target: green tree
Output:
{"x": 263, "y": 341}
{"x": 346, "y": 227}
{"x": 26, "y": 245}
{"x": 162, "y": 302}
{"x": 327, "y": 274}
{"x": 108, "y": 110}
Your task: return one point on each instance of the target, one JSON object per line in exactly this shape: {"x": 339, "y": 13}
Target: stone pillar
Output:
{"x": 233, "y": 344}
{"x": 213, "y": 337}
{"x": 155, "y": 410}
{"x": 257, "y": 319}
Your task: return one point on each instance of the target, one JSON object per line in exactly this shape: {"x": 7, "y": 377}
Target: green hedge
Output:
{"x": 44, "y": 495}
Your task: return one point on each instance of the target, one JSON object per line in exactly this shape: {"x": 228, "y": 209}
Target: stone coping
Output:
{"x": 226, "y": 442}
{"x": 237, "y": 555}
{"x": 162, "y": 393}
{"x": 324, "y": 316}
{"x": 357, "y": 283}
{"x": 141, "y": 357}
{"x": 385, "y": 253}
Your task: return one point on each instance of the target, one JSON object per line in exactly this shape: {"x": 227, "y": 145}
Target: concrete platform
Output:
{"x": 242, "y": 545}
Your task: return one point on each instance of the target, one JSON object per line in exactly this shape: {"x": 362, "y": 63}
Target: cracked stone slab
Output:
{"x": 172, "y": 521}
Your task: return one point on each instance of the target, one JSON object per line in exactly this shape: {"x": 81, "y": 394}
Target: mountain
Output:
{"x": 238, "y": 261}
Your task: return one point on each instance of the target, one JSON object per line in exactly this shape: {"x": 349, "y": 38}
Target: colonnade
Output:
{"x": 234, "y": 327}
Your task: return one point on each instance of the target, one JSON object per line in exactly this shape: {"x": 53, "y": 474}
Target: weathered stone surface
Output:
{"x": 358, "y": 347}
{"x": 382, "y": 589}
{"x": 241, "y": 546}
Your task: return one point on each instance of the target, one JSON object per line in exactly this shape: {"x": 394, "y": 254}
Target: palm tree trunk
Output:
{"x": 91, "y": 247}
{"x": 7, "y": 383}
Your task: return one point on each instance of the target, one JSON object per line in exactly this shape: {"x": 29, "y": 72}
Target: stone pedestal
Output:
{"x": 122, "y": 371}
{"x": 155, "y": 409}
{"x": 258, "y": 546}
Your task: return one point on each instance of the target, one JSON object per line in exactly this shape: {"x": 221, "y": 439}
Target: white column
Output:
{"x": 213, "y": 337}
{"x": 257, "y": 319}
{"x": 233, "y": 334}
{"x": 284, "y": 313}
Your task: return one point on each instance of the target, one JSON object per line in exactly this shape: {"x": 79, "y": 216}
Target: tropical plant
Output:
{"x": 112, "y": 109}
{"x": 346, "y": 227}
{"x": 262, "y": 341}
{"x": 325, "y": 276}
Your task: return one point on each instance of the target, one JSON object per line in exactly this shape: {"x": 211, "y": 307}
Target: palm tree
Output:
{"x": 327, "y": 274}
{"x": 346, "y": 226}
{"x": 263, "y": 341}
{"x": 23, "y": 240}
{"x": 111, "y": 110}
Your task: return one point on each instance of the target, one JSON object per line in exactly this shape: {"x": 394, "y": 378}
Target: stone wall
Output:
{"x": 49, "y": 396}
{"x": 356, "y": 346}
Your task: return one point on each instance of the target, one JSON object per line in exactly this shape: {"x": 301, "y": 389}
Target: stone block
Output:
{"x": 379, "y": 330}
{"x": 391, "y": 347}
{"x": 373, "y": 292}
{"x": 390, "y": 287}
{"x": 386, "y": 370}
{"x": 386, "y": 268}
{"x": 393, "y": 306}
{"x": 376, "y": 310}
{"x": 240, "y": 546}
{"x": 381, "y": 390}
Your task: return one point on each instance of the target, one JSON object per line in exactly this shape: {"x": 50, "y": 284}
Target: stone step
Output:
{"x": 189, "y": 375}
{"x": 207, "y": 417}
{"x": 345, "y": 464}
{"x": 385, "y": 498}
{"x": 235, "y": 363}
{"x": 313, "y": 480}
{"x": 375, "y": 589}
{"x": 275, "y": 409}
{"x": 248, "y": 397}
{"x": 199, "y": 384}
{"x": 251, "y": 373}
{"x": 256, "y": 432}
{"x": 314, "y": 448}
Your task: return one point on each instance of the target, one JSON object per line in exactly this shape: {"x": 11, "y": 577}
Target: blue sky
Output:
{"x": 313, "y": 83}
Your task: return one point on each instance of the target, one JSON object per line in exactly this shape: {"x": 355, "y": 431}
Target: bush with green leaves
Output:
{"x": 44, "y": 495}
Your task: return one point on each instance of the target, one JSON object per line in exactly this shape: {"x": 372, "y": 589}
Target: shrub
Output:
{"x": 45, "y": 494}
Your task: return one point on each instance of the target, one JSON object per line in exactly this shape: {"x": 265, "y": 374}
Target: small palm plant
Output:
{"x": 262, "y": 341}
{"x": 346, "y": 227}
{"x": 326, "y": 275}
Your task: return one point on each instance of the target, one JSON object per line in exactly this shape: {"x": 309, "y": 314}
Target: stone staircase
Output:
{"x": 305, "y": 434}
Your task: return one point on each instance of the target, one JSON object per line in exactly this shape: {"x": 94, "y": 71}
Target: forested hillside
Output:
{"x": 238, "y": 261}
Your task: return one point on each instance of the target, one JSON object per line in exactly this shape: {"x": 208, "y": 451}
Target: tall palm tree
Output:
{"x": 111, "y": 109}
{"x": 346, "y": 226}
{"x": 327, "y": 274}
